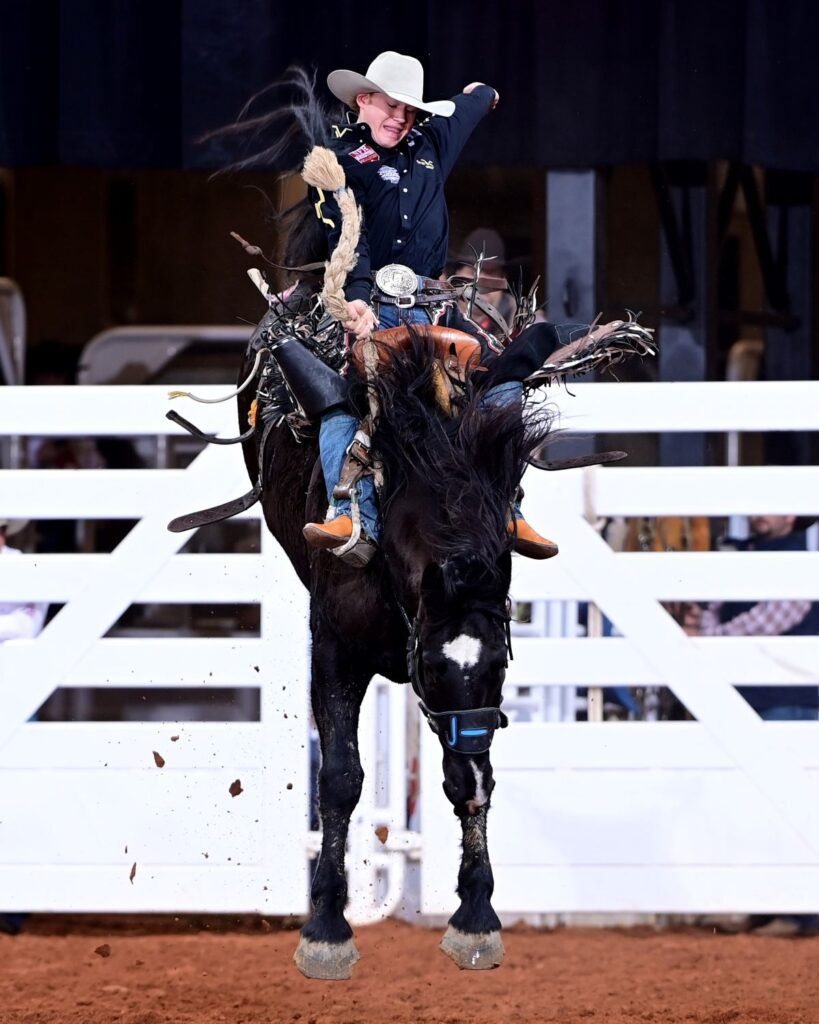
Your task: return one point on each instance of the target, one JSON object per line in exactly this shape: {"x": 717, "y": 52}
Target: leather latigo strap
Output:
{"x": 429, "y": 290}
{"x": 457, "y": 350}
{"x": 358, "y": 461}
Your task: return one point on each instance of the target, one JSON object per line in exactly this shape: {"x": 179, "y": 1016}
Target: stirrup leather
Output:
{"x": 358, "y": 463}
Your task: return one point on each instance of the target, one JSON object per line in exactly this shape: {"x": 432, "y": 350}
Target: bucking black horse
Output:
{"x": 431, "y": 608}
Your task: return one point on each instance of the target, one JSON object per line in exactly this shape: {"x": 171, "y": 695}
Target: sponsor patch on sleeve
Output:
{"x": 365, "y": 154}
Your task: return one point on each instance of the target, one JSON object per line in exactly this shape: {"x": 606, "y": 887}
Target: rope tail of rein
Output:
{"x": 225, "y": 398}
{"x": 322, "y": 170}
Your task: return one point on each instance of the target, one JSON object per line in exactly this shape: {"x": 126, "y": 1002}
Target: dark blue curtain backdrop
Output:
{"x": 133, "y": 83}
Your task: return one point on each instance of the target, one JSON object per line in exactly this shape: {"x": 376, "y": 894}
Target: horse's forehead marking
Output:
{"x": 464, "y": 650}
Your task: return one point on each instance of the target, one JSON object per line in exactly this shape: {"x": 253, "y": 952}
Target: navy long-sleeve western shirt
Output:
{"x": 400, "y": 191}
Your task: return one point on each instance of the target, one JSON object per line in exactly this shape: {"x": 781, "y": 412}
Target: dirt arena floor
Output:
{"x": 96, "y": 971}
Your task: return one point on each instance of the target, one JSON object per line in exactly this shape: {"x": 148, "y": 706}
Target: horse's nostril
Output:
{"x": 473, "y": 806}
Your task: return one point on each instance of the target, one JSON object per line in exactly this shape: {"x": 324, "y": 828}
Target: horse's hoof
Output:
{"x": 473, "y": 952}
{"x": 327, "y": 961}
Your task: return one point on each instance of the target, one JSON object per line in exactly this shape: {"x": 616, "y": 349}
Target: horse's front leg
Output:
{"x": 326, "y": 949}
{"x": 473, "y": 938}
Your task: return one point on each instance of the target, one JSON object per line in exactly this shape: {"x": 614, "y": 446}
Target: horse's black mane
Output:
{"x": 275, "y": 130}
{"x": 277, "y": 127}
{"x": 465, "y": 470}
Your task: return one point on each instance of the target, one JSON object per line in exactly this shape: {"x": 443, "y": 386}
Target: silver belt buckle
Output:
{"x": 399, "y": 282}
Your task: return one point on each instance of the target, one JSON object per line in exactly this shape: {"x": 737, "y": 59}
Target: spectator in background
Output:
{"x": 765, "y": 618}
{"x": 494, "y": 286}
{"x": 493, "y": 281}
{"x": 768, "y": 618}
{"x": 19, "y": 620}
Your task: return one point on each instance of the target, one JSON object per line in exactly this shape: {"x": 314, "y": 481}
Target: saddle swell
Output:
{"x": 458, "y": 352}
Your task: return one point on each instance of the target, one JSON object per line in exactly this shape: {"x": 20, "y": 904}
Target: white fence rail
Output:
{"x": 85, "y": 802}
{"x": 716, "y": 814}
{"x": 719, "y": 814}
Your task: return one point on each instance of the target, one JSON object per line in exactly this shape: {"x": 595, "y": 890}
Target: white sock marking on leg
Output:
{"x": 480, "y": 792}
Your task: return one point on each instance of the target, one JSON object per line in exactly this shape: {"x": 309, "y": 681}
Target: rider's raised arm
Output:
{"x": 450, "y": 134}
{"x": 359, "y": 280}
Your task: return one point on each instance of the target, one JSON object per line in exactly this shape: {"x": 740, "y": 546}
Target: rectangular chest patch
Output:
{"x": 364, "y": 154}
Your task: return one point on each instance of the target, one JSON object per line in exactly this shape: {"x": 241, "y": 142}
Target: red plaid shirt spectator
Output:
{"x": 768, "y": 618}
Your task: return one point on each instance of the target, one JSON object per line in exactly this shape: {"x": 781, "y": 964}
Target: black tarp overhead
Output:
{"x": 133, "y": 83}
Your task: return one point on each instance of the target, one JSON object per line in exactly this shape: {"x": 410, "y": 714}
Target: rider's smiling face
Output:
{"x": 389, "y": 121}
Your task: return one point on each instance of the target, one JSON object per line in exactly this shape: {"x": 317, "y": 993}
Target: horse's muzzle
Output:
{"x": 466, "y": 732}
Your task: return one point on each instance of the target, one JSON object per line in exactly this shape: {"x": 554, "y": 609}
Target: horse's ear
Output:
{"x": 472, "y": 577}
{"x": 465, "y": 574}
{"x": 432, "y": 582}
{"x": 433, "y": 591}
{"x": 504, "y": 577}
{"x": 458, "y": 578}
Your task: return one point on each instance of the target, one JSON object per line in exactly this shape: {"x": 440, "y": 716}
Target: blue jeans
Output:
{"x": 338, "y": 428}
{"x": 393, "y": 316}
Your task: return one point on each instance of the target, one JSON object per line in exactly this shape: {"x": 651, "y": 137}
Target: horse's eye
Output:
{"x": 497, "y": 663}
{"x": 437, "y": 664}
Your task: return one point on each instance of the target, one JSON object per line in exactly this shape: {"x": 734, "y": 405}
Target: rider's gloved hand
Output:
{"x": 474, "y": 85}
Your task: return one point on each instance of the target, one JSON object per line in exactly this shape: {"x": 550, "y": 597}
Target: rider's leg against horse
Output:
{"x": 336, "y": 433}
{"x": 528, "y": 541}
{"x": 322, "y": 392}
{"x": 326, "y": 949}
{"x": 528, "y": 352}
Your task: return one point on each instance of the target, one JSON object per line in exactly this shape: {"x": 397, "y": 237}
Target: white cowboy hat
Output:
{"x": 399, "y": 76}
{"x": 13, "y": 525}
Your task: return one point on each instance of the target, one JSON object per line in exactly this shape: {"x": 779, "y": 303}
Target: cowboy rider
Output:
{"x": 396, "y": 167}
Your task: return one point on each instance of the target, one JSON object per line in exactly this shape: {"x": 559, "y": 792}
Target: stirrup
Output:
{"x": 359, "y": 555}
{"x": 360, "y": 548}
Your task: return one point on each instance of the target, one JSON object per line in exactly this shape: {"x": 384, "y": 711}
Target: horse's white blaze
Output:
{"x": 480, "y": 792}
{"x": 464, "y": 650}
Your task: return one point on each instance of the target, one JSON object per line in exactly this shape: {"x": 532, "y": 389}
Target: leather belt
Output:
{"x": 423, "y": 298}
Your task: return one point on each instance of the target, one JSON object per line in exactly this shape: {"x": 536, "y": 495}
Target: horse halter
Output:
{"x": 464, "y": 732}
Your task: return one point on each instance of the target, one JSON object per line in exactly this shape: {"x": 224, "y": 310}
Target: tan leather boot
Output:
{"x": 329, "y": 535}
{"x": 528, "y": 542}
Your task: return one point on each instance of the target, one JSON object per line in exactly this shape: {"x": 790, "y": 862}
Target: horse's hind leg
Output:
{"x": 326, "y": 949}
